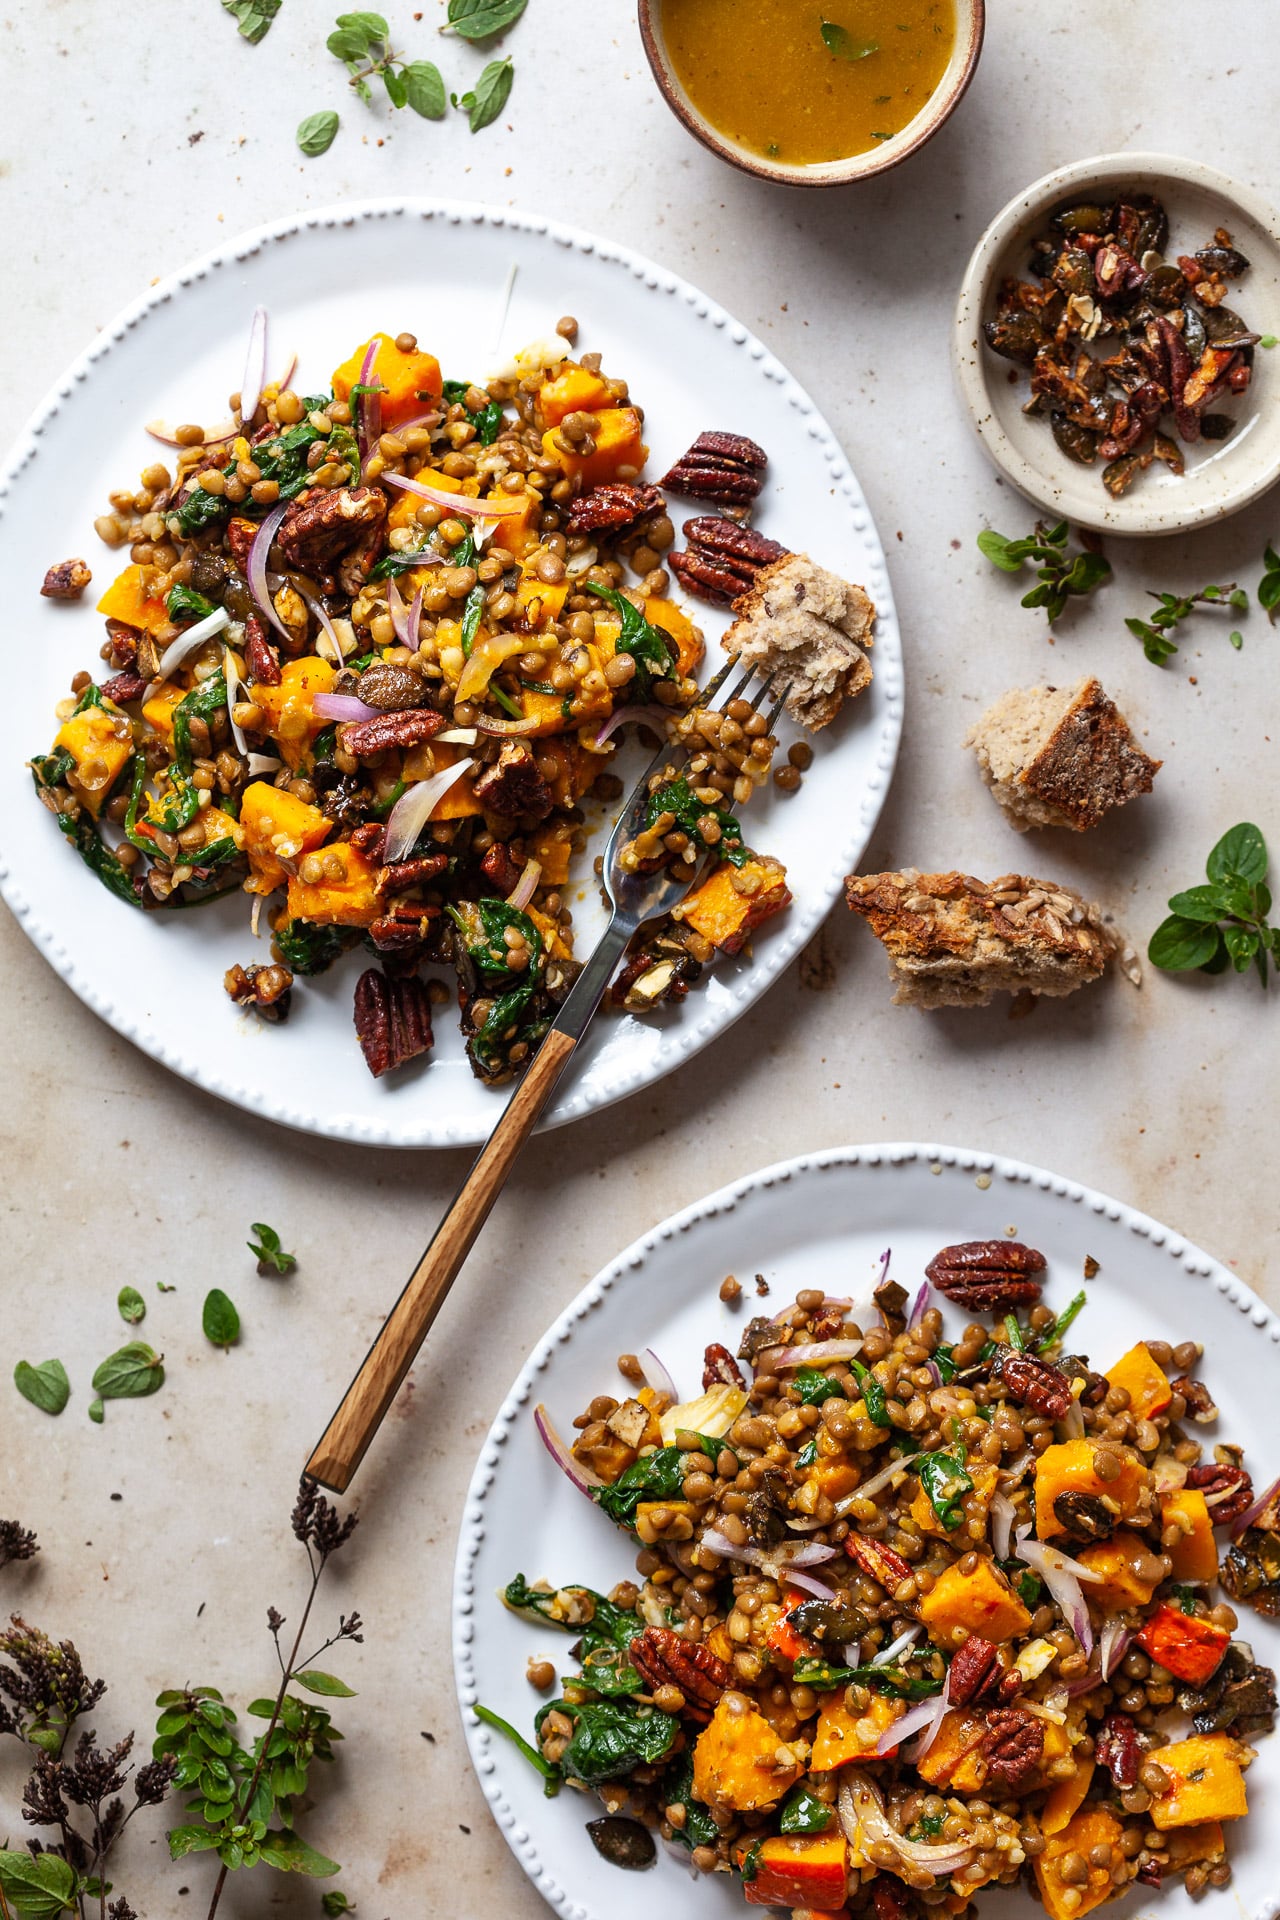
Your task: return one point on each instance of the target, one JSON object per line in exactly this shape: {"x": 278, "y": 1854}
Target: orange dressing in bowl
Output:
{"x": 802, "y": 82}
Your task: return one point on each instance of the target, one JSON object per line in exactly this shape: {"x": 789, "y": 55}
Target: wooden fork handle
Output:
{"x": 345, "y": 1439}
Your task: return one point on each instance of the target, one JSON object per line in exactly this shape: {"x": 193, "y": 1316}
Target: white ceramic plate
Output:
{"x": 328, "y": 279}
{"x": 818, "y": 1221}
{"x": 1221, "y": 476}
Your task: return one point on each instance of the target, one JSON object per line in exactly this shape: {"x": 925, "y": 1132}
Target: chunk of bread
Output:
{"x": 809, "y": 627}
{"x": 954, "y": 941}
{"x": 1059, "y": 757}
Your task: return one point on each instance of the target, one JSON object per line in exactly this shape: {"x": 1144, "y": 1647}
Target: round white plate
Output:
{"x": 327, "y": 279}
{"x": 822, "y": 1220}
{"x": 1221, "y": 476}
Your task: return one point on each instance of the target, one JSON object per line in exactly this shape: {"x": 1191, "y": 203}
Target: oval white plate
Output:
{"x": 822, "y": 1220}
{"x": 1221, "y": 476}
{"x": 327, "y": 279}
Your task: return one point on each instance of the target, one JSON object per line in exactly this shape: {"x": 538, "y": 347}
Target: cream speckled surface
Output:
{"x": 116, "y": 1171}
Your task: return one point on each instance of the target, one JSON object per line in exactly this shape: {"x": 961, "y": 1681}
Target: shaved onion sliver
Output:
{"x": 1003, "y": 1515}
{"x": 489, "y": 723}
{"x": 414, "y": 808}
{"x": 459, "y": 503}
{"x": 926, "y": 1720}
{"x": 818, "y": 1588}
{"x": 368, "y": 405}
{"x": 655, "y": 717}
{"x": 457, "y": 737}
{"x": 1011, "y": 1474}
{"x": 918, "y": 1307}
{"x": 343, "y": 706}
{"x": 934, "y": 1372}
{"x": 187, "y": 642}
{"x": 1250, "y": 1514}
{"x": 863, "y": 1818}
{"x": 519, "y": 897}
{"x": 582, "y": 562}
{"x": 399, "y": 616}
{"x": 235, "y": 687}
{"x": 255, "y": 366}
{"x": 888, "y": 1654}
{"x": 1116, "y": 1639}
{"x": 256, "y": 571}
{"x": 1071, "y": 1426}
{"x": 573, "y": 1469}
{"x": 812, "y": 1354}
{"x": 316, "y": 608}
{"x": 788, "y": 1554}
{"x": 654, "y": 1371}
{"x": 260, "y": 763}
{"x": 1168, "y": 1474}
{"x": 872, "y": 1486}
{"x": 1062, "y": 1576}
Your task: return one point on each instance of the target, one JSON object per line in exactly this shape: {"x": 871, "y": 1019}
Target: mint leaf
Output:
{"x": 485, "y": 103}
{"x": 252, "y": 17}
{"x": 317, "y": 132}
{"x": 479, "y": 19}
{"x": 130, "y": 1373}
{"x": 1241, "y": 854}
{"x": 220, "y": 1320}
{"x": 424, "y": 89}
{"x": 45, "y": 1386}
{"x": 132, "y": 1305}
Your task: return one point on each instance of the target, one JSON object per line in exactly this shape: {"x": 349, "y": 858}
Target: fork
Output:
{"x": 635, "y": 899}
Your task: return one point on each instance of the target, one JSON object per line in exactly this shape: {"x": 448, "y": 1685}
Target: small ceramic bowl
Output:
{"x": 942, "y": 103}
{"x": 1221, "y": 476}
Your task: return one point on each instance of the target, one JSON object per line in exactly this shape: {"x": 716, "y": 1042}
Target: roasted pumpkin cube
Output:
{"x": 515, "y": 533}
{"x": 723, "y": 913}
{"x": 616, "y": 432}
{"x": 157, "y": 709}
{"x": 955, "y": 1759}
{"x": 540, "y": 601}
{"x": 834, "y": 1477}
{"x": 843, "y": 1736}
{"x": 798, "y": 1870}
{"x": 1067, "y": 1900}
{"x": 552, "y": 847}
{"x": 101, "y": 743}
{"x": 288, "y": 705}
{"x": 410, "y": 382}
{"x": 574, "y": 390}
{"x": 1206, "y": 1782}
{"x": 1202, "y": 1845}
{"x": 1122, "y": 1561}
{"x": 979, "y": 1602}
{"x": 690, "y": 646}
{"x": 1184, "y": 1645}
{"x": 346, "y": 900}
{"x": 974, "y": 1505}
{"x": 1066, "y": 1798}
{"x": 1069, "y": 1468}
{"x": 131, "y": 598}
{"x": 276, "y": 830}
{"x": 460, "y": 802}
{"x": 1195, "y": 1552}
{"x": 1147, "y": 1385}
{"x": 738, "y": 1761}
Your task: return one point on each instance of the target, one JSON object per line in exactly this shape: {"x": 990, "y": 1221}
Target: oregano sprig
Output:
{"x": 362, "y": 41}
{"x": 1060, "y": 574}
{"x": 1173, "y": 609}
{"x": 1224, "y": 923}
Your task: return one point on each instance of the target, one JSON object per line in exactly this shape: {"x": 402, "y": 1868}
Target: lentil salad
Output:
{"x": 335, "y": 682}
{"x": 913, "y": 1611}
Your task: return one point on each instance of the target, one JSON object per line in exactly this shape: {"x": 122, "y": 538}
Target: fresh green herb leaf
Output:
{"x": 1171, "y": 611}
{"x": 1060, "y": 575}
{"x": 699, "y": 1829}
{"x": 481, "y": 19}
{"x": 38, "y": 1888}
{"x": 943, "y": 1477}
{"x": 1013, "y": 1332}
{"x": 489, "y": 96}
{"x": 811, "y": 1670}
{"x": 220, "y": 1320}
{"x": 808, "y": 1453}
{"x": 252, "y": 17}
{"x": 131, "y": 1304}
{"x": 1269, "y": 585}
{"x": 1181, "y": 946}
{"x": 185, "y": 606}
{"x": 1053, "y": 1335}
{"x": 550, "y": 1774}
{"x": 97, "y": 1412}
{"x": 652, "y": 649}
{"x": 803, "y": 1812}
{"x": 166, "y": 1286}
{"x": 325, "y": 1684}
{"x": 927, "y": 1827}
{"x": 655, "y": 1476}
{"x": 370, "y": 29}
{"x": 397, "y": 92}
{"x": 873, "y": 1395}
{"x": 946, "y": 1366}
{"x": 814, "y": 1387}
{"x": 1241, "y": 854}
{"x": 676, "y": 796}
{"x": 270, "y": 1255}
{"x": 1268, "y": 340}
{"x": 336, "y": 1902}
{"x": 316, "y": 134}
{"x": 838, "y": 40}
{"x": 749, "y": 1863}
{"x": 130, "y": 1373}
{"x": 1224, "y": 923}
{"x": 424, "y": 90}
{"x": 307, "y": 949}
{"x": 472, "y": 614}
{"x": 611, "y": 1739}
{"x": 46, "y": 1386}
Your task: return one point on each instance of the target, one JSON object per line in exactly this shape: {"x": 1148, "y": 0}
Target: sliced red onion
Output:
{"x": 188, "y": 640}
{"x": 1011, "y": 1474}
{"x": 460, "y": 503}
{"x": 399, "y": 616}
{"x": 582, "y": 1477}
{"x": 871, "y": 1487}
{"x": 788, "y": 1554}
{"x": 925, "y": 1719}
{"x": 655, "y": 717}
{"x": 919, "y": 1306}
{"x": 887, "y": 1655}
{"x": 934, "y": 1372}
{"x": 519, "y": 897}
{"x": 256, "y": 571}
{"x": 431, "y": 419}
{"x": 1062, "y": 1576}
{"x": 218, "y": 437}
{"x": 811, "y": 1354}
{"x": 286, "y": 378}
{"x": 316, "y": 609}
{"x": 490, "y": 723}
{"x": 1168, "y": 1474}
{"x": 235, "y": 691}
{"x": 368, "y": 405}
{"x": 1003, "y": 1514}
{"x": 414, "y": 808}
{"x": 863, "y": 1818}
{"x": 654, "y": 1371}
{"x": 1250, "y": 1514}
{"x": 818, "y": 1588}
{"x": 255, "y": 366}
{"x": 1071, "y": 1426}
{"x": 343, "y": 706}
{"x": 1115, "y": 1643}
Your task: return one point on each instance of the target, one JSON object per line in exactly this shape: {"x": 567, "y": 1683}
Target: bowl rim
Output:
{"x": 971, "y": 363}
{"x": 971, "y": 18}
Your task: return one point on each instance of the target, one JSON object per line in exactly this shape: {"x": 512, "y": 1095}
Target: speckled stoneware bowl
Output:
{"x": 941, "y": 104}
{"x": 1221, "y": 476}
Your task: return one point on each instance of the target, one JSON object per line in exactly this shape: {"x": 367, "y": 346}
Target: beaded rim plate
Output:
{"x": 822, "y": 1219}
{"x": 327, "y": 278}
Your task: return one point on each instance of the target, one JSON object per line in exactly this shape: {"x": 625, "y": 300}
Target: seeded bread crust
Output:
{"x": 810, "y": 627}
{"x": 955, "y": 941}
{"x": 1054, "y": 757}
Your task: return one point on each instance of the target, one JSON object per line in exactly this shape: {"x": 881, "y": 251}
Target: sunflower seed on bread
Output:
{"x": 812, "y": 629}
{"x": 954, "y": 941}
{"x": 1059, "y": 757}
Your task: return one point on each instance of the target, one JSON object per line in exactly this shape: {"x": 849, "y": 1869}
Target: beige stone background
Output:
{"x": 134, "y": 138}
